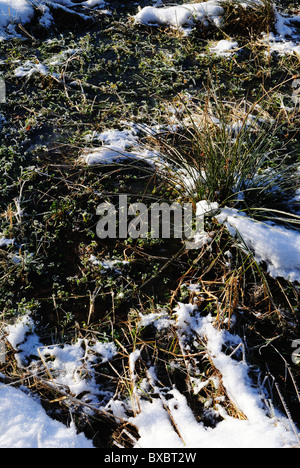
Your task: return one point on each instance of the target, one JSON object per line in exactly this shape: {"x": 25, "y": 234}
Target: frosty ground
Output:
{"x": 138, "y": 343}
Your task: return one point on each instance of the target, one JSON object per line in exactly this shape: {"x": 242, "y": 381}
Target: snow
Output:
{"x": 71, "y": 367}
{"x": 120, "y": 138}
{"x": 25, "y": 424}
{"x": 106, "y": 350}
{"x": 286, "y": 41}
{"x": 157, "y": 431}
{"x": 182, "y": 16}
{"x": 5, "y": 242}
{"x": 116, "y": 146}
{"x": 71, "y": 370}
{"x": 160, "y": 320}
{"x": 108, "y": 265}
{"x": 211, "y": 13}
{"x": 224, "y": 48}
{"x": 283, "y": 47}
{"x": 296, "y": 97}
{"x": 112, "y": 154}
{"x": 87, "y": 3}
{"x": 62, "y": 57}
{"x": 133, "y": 358}
{"x": 2, "y": 122}
{"x": 21, "y": 335}
{"x": 30, "y": 68}
{"x": 276, "y": 245}
{"x": 15, "y": 11}
{"x": 168, "y": 421}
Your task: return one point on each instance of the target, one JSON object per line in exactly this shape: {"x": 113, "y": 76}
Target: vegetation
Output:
{"x": 235, "y": 135}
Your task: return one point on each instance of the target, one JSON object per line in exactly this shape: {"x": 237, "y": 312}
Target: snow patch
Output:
{"x": 224, "y": 48}
{"x": 21, "y": 335}
{"x": 25, "y": 424}
{"x": 13, "y": 12}
{"x": 276, "y": 245}
{"x": 117, "y": 146}
{"x": 168, "y": 421}
{"x": 208, "y": 13}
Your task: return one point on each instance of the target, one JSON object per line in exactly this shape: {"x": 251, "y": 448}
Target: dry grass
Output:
{"x": 249, "y": 17}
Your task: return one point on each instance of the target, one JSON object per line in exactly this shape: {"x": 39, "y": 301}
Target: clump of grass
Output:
{"x": 249, "y": 16}
{"x": 231, "y": 153}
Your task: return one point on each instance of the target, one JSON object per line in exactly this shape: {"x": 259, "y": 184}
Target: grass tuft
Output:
{"x": 249, "y": 17}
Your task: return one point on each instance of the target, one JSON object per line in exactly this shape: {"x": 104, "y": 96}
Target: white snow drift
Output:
{"x": 275, "y": 245}
{"x": 182, "y": 16}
